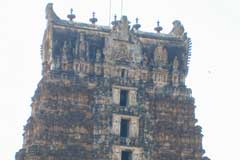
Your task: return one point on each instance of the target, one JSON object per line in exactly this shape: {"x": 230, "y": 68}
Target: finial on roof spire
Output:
{"x": 93, "y": 20}
{"x": 158, "y": 28}
{"x": 71, "y": 16}
{"x": 136, "y": 26}
{"x": 114, "y": 22}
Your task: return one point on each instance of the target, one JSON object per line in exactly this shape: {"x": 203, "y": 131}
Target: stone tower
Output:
{"x": 112, "y": 93}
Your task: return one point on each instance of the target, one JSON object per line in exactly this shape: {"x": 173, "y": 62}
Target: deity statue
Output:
{"x": 65, "y": 50}
{"x": 132, "y": 98}
{"x": 175, "y": 63}
{"x": 178, "y": 29}
{"x": 144, "y": 59}
{"x": 134, "y": 128}
{"x": 98, "y": 55}
{"x": 116, "y": 126}
{"x": 82, "y": 46}
{"x": 160, "y": 55}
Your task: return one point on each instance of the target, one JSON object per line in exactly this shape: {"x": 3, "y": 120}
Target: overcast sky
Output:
{"x": 213, "y": 25}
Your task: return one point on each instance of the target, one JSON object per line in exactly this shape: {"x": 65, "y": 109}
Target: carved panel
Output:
{"x": 122, "y": 54}
{"x": 160, "y": 78}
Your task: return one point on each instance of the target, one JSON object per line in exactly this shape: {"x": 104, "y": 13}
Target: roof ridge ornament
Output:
{"x": 137, "y": 25}
{"x": 114, "y": 22}
{"x": 158, "y": 28}
{"x": 93, "y": 20}
{"x": 121, "y": 28}
{"x": 178, "y": 29}
{"x": 50, "y": 14}
{"x": 71, "y": 16}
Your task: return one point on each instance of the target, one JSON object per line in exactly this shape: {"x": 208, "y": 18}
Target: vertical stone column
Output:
{"x": 116, "y": 95}
{"x": 132, "y": 98}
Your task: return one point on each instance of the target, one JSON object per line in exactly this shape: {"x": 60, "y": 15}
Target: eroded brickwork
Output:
{"x": 112, "y": 93}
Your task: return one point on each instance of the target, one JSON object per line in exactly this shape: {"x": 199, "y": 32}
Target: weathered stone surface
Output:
{"x": 108, "y": 90}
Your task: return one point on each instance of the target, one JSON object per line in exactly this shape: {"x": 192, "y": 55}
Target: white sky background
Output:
{"x": 214, "y": 27}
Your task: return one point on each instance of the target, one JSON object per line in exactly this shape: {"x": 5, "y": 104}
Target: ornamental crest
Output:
{"x": 122, "y": 54}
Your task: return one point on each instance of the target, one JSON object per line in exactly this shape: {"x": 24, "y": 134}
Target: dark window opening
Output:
{"x": 92, "y": 53}
{"x": 123, "y": 73}
{"x": 126, "y": 155}
{"x": 124, "y": 128}
{"x": 123, "y": 97}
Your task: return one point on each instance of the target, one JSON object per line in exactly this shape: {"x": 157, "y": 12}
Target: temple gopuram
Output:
{"x": 112, "y": 93}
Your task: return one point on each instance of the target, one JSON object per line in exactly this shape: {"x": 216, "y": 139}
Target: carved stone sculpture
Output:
{"x": 178, "y": 29}
{"x": 175, "y": 64}
{"x": 160, "y": 55}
